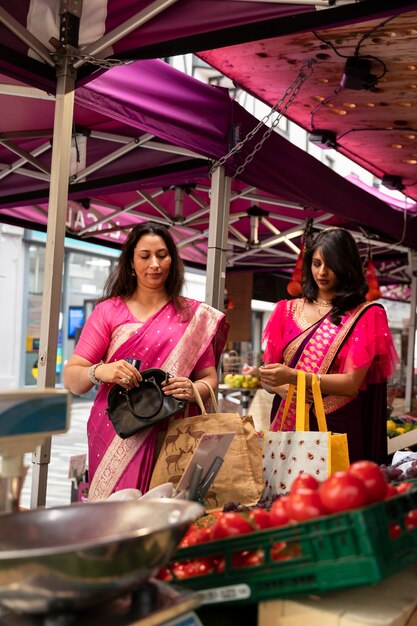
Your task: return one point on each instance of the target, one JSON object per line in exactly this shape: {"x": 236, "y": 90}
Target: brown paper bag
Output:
{"x": 240, "y": 478}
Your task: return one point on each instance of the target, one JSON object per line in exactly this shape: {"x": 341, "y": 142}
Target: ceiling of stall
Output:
{"x": 360, "y": 97}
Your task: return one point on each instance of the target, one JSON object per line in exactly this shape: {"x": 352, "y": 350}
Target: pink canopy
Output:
{"x": 136, "y": 152}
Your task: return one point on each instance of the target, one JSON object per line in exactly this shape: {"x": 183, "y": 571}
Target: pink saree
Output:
{"x": 167, "y": 341}
{"x": 361, "y": 340}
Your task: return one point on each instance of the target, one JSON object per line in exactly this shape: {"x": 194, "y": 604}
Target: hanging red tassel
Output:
{"x": 374, "y": 292}
{"x": 294, "y": 286}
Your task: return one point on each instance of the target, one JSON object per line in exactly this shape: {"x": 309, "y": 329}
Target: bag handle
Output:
{"x": 199, "y": 399}
{"x": 301, "y": 409}
{"x": 318, "y": 404}
{"x": 212, "y": 395}
{"x": 302, "y": 422}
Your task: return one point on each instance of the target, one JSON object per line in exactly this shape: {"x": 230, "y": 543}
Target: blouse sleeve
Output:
{"x": 369, "y": 345}
{"x": 95, "y": 336}
{"x": 273, "y": 335}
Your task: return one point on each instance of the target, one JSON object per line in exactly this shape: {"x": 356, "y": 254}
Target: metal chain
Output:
{"x": 290, "y": 93}
{"x": 107, "y": 63}
{"x": 104, "y": 62}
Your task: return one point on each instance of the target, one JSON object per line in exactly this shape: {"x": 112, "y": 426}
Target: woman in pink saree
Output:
{"x": 333, "y": 332}
{"x": 142, "y": 316}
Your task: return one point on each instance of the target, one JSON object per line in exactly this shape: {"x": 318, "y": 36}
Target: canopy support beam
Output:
{"x": 409, "y": 380}
{"x": 54, "y": 259}
{"x": 217, "y": 238}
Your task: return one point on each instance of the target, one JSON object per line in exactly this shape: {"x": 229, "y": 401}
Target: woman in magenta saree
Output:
{"x": 333, "y": 332}
{"x": 181, "y": 336}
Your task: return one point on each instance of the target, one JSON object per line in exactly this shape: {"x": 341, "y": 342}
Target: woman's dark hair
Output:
{"x": 340, "y": 253}
{"x": 121, "y": 282}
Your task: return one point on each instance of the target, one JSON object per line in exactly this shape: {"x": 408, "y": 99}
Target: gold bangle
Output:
{"x": 319, "y": 379}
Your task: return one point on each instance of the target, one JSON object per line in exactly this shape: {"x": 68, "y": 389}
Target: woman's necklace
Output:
{"x": 322, "y": 304}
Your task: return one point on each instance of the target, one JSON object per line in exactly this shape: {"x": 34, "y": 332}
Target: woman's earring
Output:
{"x": 133, "y": 272}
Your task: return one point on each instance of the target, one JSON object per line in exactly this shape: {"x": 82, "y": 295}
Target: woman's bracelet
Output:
{"x": 319, "y": 379}
{"x": 92, "y": 374}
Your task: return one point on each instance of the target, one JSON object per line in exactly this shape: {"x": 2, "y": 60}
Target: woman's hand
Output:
{"x": 179, "y": 387}
{"x": 77, "y": 380}
{"x": 274, "y": 375}
{"x": 119, "y": 372}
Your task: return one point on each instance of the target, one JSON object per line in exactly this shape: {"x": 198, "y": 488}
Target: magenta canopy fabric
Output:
{"x": 155, "y": 30}
{"x": 150, "y": 97}
{"x": 153, "y": 96}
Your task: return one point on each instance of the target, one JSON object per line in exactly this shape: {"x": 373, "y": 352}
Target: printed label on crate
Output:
{"x": 224, "y": 594}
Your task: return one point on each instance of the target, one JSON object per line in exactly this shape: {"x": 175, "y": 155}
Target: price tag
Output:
{"x": 225, "y": 594}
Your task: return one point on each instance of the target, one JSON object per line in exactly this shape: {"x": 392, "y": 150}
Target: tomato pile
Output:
{"x": 362, "y": 484}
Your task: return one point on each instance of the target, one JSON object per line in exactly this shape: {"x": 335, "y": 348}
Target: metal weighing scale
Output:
{"x": 27, "y": 417}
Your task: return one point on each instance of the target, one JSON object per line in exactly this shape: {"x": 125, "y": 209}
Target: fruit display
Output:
{"x": 400, "y": 425}
{"x": 354, "y": 528}
{"x": 402, "y": 468}
{"x": 241, "y": 381}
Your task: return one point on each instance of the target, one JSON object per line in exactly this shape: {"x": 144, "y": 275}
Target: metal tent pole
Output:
{"x": 217, "y": 238}
{"x": 54, "y": 256}
{"x": 409, "y": 381}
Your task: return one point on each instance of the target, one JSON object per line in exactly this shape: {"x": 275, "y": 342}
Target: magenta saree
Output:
{"x": 361, "y": 340}
{"x": 171, "y": 340}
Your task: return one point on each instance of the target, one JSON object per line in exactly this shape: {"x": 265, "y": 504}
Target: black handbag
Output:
{"x": 132, "y": 410}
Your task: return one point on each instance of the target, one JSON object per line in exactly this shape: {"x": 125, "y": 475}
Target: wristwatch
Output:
{"x": 92, "y": 374}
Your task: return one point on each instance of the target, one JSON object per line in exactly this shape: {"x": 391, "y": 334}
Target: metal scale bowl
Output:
{"x": 73, "y": 557}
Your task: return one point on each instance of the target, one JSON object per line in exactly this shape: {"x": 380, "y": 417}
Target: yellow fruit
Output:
{"x": 391, "y": 425}
{"x": 400, "y": 430}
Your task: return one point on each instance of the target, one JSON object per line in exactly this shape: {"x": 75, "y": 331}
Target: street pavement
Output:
{"x": 71, "y": 443}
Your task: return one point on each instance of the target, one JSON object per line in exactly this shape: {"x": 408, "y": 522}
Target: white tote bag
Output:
{"x": 286, "y": 454}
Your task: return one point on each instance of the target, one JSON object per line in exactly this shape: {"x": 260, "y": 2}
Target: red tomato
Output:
{"x": 278, "y": 551}
{"x": 375, "y": 482}
{"x": 195, "y": 536}
{"x": 261, "y": 518}
{"x": 394, "y": 530}
{"x": 411, "y": 519}
{"x": 282, "y": 551}
{"x": 404, "y": 487}
{"x": 278, "y": 513}
{"x": 230, "y": 524}
{"x": 343, "y": 491}
{"x": 248, "y": 558}
{"x": 305, "y": 504}
{"x": 391, "y": 491}
{"x": 305, "y": 480}
{"x": 194, "y": 567}
{"x": 164, "y": 574}
{"x": 219, "y": 564}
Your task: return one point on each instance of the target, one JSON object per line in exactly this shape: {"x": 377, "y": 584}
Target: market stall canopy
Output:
{"x": 360, "y": 98}
{"x": 147, "y": 153}
{"x": 124, "y": 29}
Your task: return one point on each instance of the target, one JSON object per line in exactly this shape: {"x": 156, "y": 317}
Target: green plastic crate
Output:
{"x": 332, "y": 552}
